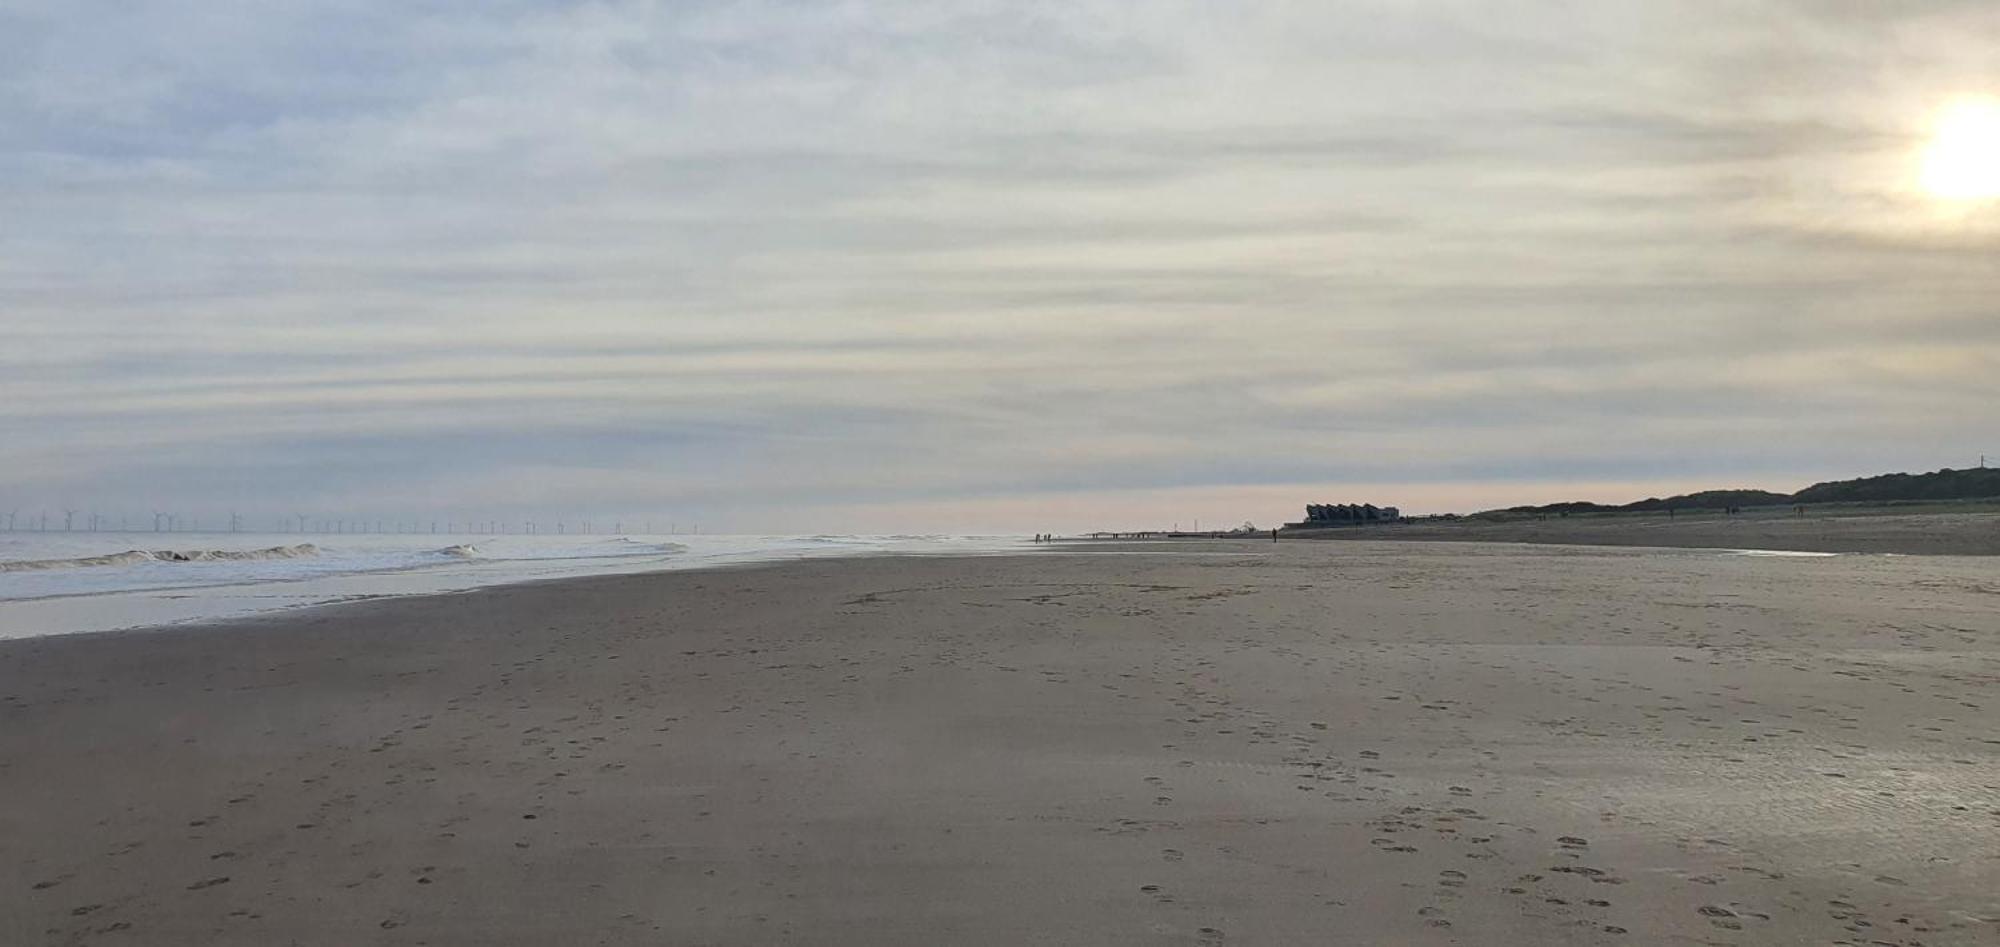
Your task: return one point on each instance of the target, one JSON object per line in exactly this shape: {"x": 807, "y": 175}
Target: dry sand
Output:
{"x": 1921, "y": 534}
{"x": 1327, "y": 743}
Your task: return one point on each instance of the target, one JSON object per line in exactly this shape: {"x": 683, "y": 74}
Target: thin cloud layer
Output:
{"x": 977, "y": 265}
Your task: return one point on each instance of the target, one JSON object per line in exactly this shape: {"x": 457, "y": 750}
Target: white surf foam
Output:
{"x": 135, "y": 556}
{"x": 1781, "y": 553}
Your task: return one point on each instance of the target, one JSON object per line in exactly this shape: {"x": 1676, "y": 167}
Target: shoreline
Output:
{"x": 1268, "y": 745}
{"x": 106, "y": 598}
{"x": 272, "y": 620}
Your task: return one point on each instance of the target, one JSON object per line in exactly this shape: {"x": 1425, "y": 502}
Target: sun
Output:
{"x": 1962, "y": 162}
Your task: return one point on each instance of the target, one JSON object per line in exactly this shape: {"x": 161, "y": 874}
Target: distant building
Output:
{"x": 1328, "y": 515}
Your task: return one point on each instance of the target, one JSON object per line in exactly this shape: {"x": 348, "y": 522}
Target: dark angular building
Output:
{"x": 1328, "y": 515}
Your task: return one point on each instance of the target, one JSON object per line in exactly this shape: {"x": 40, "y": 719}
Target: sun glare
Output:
{"x": 1962, "y": 162}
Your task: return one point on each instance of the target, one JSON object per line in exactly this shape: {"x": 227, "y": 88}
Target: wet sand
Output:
{"x": 1226, "y": 744}
{"x": 1914, "y": 534}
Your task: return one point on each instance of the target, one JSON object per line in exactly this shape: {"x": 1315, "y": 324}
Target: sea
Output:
{"x": 70, "y": 582}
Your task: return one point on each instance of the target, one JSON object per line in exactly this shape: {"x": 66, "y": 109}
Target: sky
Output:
{"x": 979, "y": 266}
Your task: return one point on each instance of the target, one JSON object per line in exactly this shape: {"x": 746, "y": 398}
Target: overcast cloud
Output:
{"x": 978, "y": 265}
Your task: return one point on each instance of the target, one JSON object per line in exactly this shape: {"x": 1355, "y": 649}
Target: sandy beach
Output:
{"x": 1256, "y": 743}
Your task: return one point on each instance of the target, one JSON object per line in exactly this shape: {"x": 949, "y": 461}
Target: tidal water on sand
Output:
{"x": 65, "y": 582}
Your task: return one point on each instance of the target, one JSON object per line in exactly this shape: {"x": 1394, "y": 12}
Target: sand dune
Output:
{"x": 1250, "y": 744}
{"x": 1915, "y": 534}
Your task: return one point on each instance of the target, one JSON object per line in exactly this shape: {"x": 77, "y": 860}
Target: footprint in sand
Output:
{"x": 1720, "y": 916}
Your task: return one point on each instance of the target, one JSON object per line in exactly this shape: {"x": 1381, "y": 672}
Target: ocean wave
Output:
{"x": 627, "y": 546}
{"x": 620, "y": 548}
{"x": 136, "y": 556}
{"x": 666, "y": 548}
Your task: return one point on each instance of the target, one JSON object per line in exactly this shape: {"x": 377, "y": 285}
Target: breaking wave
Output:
{"x": 620, "y": 548}
{"x": 641, "y": 547}
{"x": 136, "y": 556}
{"x": 840, "y": 540}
